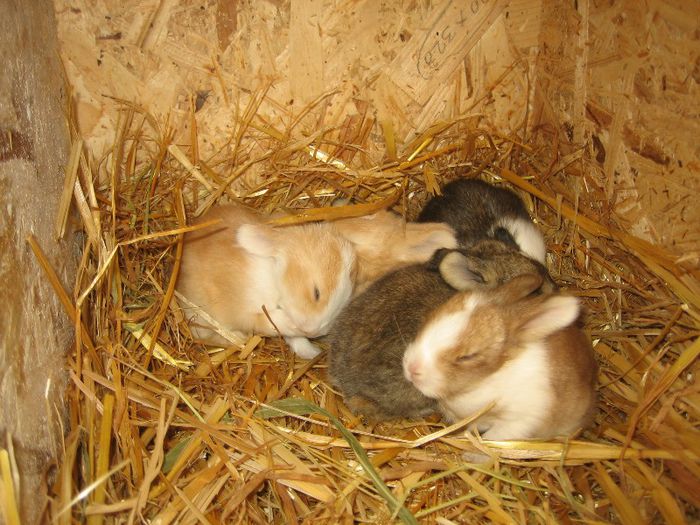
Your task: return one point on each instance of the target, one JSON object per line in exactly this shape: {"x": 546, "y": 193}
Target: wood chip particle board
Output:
{"x": 302, "y": 49}
{"x": 628, "y": 93}
{"x": 437, "y": 49}
{"x": 617, "y": 80}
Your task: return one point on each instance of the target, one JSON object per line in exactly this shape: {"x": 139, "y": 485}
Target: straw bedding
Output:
{"x": 162, "y": 429}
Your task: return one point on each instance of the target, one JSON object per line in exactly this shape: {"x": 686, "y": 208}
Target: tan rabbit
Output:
{"x": 385, "y": 242}
{"x": 523, "y": 353}
{"x": 303, "y": 276}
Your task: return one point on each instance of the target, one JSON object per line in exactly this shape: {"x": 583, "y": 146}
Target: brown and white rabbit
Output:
{"x": 478, "y": 210}
{"x": 303, "y": 275}
{"x": 384, "y": 242}
{"x": 523, "y": 353}
{"x": 369, "y": 337}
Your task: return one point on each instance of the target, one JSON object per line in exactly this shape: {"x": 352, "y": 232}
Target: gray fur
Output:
{"x": 370, "y": 336}
{"x": 487, "y": 264}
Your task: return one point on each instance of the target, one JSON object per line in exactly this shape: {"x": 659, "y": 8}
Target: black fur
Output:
{"x": 472, "y": 207}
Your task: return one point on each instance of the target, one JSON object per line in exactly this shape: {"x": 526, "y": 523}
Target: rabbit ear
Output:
{"x": 516, "y": 289}
{"x": 548, "y": 316}
{"x": 258, "y": 239}
{"x": 423, "y": 239}
{"x": 454, "y": 269}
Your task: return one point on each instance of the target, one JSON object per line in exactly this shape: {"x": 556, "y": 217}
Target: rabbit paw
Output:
{"x": 303, "y": 347}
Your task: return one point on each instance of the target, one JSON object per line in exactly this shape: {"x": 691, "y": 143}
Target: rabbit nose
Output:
{"x": 413, "y": 371}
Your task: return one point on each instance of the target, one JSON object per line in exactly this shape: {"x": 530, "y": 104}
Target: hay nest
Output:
{"x": 165, "y": 430}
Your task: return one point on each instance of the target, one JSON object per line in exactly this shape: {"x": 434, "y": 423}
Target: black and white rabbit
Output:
{"x": 480, "y": 211}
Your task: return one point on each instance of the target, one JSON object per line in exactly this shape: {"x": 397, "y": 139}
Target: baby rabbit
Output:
{"x": 523, "y": 353}
{"x": 385, "y": 242}
{"x": 488, "y": 263}
{"x": 477, "y": 210}
{"x": 303, "y": 275}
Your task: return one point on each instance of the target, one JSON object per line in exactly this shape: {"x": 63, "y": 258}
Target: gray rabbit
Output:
{"x": 494, "y": 231}
{"x": 369, "y": 337}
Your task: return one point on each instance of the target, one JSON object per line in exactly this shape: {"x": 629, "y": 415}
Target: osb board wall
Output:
{"x": 612, "y": 86}
{"x": 620, "y": 80}
{"x": 161, "y": 53}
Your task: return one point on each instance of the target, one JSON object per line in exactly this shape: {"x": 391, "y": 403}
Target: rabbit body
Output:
{"x": 368, "y": 339}
{"x": 302, "y": 275}
{"x": 523, "y": 354}
{"x": 478, "y": 210}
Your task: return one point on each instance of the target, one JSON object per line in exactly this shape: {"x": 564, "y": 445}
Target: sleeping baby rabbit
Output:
{"x": 477, "y": 211}
{"x": 303, "y": 275}
{"x": 493, "y": 229}
{"x": 368, "y": 339}
{"x": 523, "y": 353}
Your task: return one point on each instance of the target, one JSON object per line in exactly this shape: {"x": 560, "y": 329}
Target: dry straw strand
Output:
{"x": 9, "y": 502}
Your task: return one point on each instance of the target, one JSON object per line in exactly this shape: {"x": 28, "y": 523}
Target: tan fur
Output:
{"x": 211, "y": 265}
{"x": 574, "y": 375}
{"x": 328, "y": 264}
{"x": 572, "y": 368}
{"x": 483, "y": 346}
{"x": 385, "y": 242}
{"x": 219, "y": 275}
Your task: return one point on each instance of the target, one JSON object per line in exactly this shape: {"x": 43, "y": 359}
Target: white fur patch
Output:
{"x": 527, "y": 236}
{"x": 522, "y": 393}
{"x": 303, "y": 347}
{"x": 437, "y": 336}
